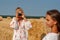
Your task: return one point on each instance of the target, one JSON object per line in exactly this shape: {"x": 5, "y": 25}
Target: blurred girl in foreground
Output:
{"x": 53, "y": 21}
{"x": 20, "y": 25}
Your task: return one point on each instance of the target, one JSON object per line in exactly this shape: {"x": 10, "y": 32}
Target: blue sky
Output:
{"x": 30, "y": 7}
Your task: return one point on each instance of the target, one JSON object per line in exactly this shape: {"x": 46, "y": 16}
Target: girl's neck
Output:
{"x": 54, "y": 29}
{"x": 19, "y": 21}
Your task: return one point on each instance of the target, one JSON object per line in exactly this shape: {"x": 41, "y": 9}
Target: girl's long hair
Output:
{"x": 55, "y": 15}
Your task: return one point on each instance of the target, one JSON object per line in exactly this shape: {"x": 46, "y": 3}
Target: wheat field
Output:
{"x": 37, "y": 32}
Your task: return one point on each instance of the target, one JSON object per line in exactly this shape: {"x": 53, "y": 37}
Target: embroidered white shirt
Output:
{"x": 51, "y": 36}
{"x": 21, "y": 31}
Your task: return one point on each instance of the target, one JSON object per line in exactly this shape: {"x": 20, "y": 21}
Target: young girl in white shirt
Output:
{"x": 53, "y": 21}
{"x": 20, "y": 25}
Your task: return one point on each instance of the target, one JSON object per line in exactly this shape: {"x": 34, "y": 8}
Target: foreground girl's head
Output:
{"x": 53, "y": 18}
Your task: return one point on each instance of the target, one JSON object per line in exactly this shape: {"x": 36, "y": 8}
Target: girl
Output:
{"x": 53, "y": 21}
{"x": 20, "y": 25}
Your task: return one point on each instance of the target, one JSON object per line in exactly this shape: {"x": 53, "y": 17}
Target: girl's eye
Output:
{"x": 47, "y": 19}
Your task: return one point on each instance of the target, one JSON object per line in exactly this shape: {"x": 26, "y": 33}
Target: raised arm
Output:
{"x": 28, "y": 25}
{"x": 14, "y": 24}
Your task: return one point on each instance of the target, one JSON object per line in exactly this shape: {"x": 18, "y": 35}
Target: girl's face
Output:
{"x": 18, "y": 11}
{"x": 49, "y": 21}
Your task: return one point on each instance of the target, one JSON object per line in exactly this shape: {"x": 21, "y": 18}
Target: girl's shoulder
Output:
{"x": 14, "y": 18}
{"x": 52, "y": 35}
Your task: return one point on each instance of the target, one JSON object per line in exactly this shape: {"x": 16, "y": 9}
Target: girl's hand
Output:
{"x": 24, "y": 17}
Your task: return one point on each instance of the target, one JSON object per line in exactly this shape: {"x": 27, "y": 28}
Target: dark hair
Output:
{"x": 20, "y": 9}
{"x": 55, "y": 15}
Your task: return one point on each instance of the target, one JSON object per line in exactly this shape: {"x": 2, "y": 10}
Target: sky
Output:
{"x": 30, "y": 7}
